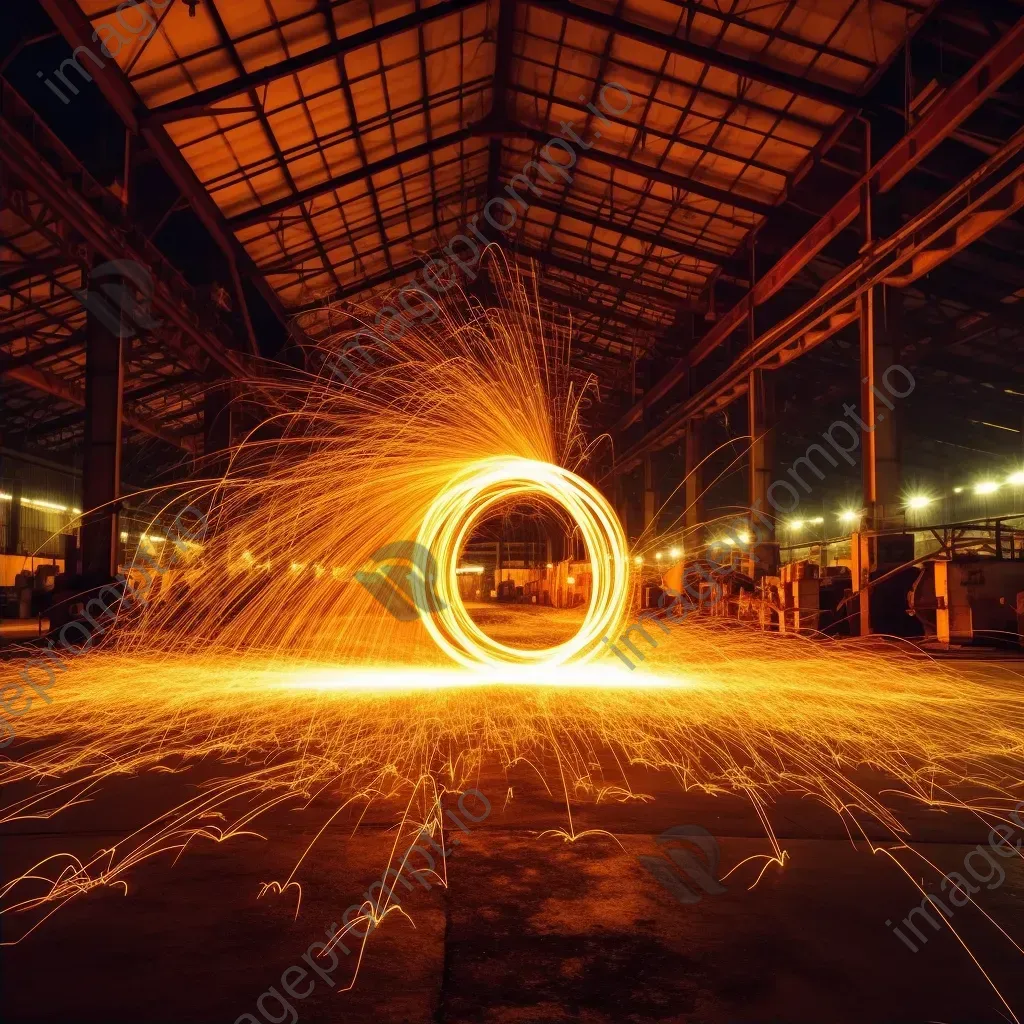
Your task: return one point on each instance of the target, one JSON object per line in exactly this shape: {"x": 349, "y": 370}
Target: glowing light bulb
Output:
{"x": 986, "y": 487}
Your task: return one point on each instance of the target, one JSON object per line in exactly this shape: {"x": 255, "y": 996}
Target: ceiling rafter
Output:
{"x": 276, "y": 206}
{"x": 953, "y": 107}
{"x": 622, "y": 285}
{"x": 493, "y": 131}
{"x": 50, "y": 384}
{"x": 503, "y": 50}
{"x": 716, "y": 58}
{"x": 683, "y": 182}
{"x": 556, "y": 295}
{"x": 595, "y": 219}
{"x": 34, "y": 356}
{"x": 199, "y": 104}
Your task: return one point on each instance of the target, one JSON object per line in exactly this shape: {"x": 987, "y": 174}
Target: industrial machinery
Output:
{"x": 968, "y": 589}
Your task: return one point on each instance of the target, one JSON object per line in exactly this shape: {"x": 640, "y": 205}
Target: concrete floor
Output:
{"x": 530, "y": 928}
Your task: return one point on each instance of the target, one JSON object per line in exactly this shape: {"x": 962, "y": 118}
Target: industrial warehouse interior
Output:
{"x": 511, "y": 511}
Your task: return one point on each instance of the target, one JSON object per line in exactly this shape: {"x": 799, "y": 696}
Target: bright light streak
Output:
{"x": 473, "y": 493}
{"x": 986, "y": 487}
{"x": 601, "y": 675}
{"x": 817, "y": 521}
{"x": 1016, "y": 479}
{"x": 796, "y": 524}
{"x": 49, "y": 506}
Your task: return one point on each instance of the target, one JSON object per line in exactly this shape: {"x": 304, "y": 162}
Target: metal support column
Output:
{"x": 867, "y": 403}
{"x": 942, "y": 634}
{"x": 761, "y": 412}
{"x": 650, "y": 495}
{"x": 694, "y": 479}
{"x": 101, "y": 464}
{"x": 887, "y": 387}
{"x": 14, "y": 520}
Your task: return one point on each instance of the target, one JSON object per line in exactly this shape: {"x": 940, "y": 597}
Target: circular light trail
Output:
{"x": 469, "y": 498}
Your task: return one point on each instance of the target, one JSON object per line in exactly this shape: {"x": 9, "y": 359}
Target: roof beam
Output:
{"x": 60, "y": 346}
{"x": 494, "y": 130}
{"x": 958, "y": 102}
{"x": 623, "y": 285}
{"x": 559, "y": 298}
{"x": 170, "y": 383}
{"x": 620, "y": 284}
{"x": 33, "y": 268}
{"x": 731, "y": 18}
{"x": 22, "y": 158}
{"x": 597, "y": 221}
{"x": 502, "y": 78}
{"x": 384, "y": 277}
{"x": 77, "y": 30}
{"x": 551, "y": 294}
{"x": 277, "y": 206}
{"x": 618, "y": 163}
{"x": 995, "y": 187}
{"x": 199, "y": 104}
{"x": 324, "y": 7}
{"x": 51, "y": 384}
{"x": 34, "y": 329}
{"x": 740, "y": 66}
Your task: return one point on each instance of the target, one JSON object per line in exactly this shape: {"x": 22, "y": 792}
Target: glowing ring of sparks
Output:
{"x": 465, "y": 501}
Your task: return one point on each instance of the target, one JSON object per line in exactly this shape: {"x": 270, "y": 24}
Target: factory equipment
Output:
{"x": 800, "y": 597}
{"x": 965, "y": 587}
{"x": 969, "y": 600}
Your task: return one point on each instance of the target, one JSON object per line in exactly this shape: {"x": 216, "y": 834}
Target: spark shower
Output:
{"x": 259, "y": 654}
